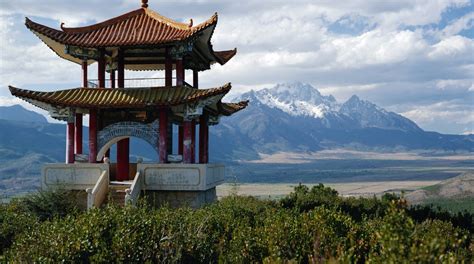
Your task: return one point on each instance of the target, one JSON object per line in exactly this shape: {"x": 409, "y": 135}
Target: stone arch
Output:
{"x": 111, "y": 134}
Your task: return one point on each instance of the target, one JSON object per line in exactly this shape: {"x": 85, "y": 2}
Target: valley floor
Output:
{"x": 366, "y": 189}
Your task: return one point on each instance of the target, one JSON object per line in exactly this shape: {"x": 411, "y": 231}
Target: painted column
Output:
{"x": 179, "y": 72}
{"x": 123, "y": 146}
{"x": 85, "y": 82}
{"x": 187, "y": 152}
{"x": 92, "y": 135}
{"x": 78, "y": 132}
{"x": 70, "y": 141}
{"x": 204, "y": 139}
{"x": 168, "y": 69}
{"x": 169, "y": 83}
{"x": 163, "y": 136}
{"x": 193, "y": 123}
{"x": 193, "y": 141}
{"x": 180, "y": 82}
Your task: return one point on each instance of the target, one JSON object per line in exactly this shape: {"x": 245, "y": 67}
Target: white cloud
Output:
{"x": 453, "y": 47}
{"x": 389, "y": 55}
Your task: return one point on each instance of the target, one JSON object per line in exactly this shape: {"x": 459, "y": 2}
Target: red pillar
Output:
{"x": 70, "y": 143}
{"x": 169, "y": 83}
{"x": 123, "y": 159}
{"x": 203, "y": 139}
{"x": 163, "y": 136}
{"x": 180, "y": 82}
{"x": 187, "y": 152}
{"x": 123, "y": 146}
{"x": 179, "y": 72}
{"x": 92, "y": 135}
{"x": 85, "y": 82}
{"x": 78, "y": 133}
{"x": 193, "y": 141}
{"x": 168, "y": 69}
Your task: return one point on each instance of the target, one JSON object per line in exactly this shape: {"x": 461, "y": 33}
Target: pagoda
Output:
{"x": 149, "y": 109}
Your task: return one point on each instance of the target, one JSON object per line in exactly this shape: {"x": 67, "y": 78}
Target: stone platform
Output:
{"x": 174, "y": 185}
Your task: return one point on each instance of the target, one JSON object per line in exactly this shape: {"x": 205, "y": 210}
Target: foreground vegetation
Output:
{"x": 309, "y": 225}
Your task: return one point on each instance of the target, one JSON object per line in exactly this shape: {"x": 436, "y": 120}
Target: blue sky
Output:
{"x": 414, "y": 57}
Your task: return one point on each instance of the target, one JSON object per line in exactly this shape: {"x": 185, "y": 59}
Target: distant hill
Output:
{"x": 20, "y": 114}
{"x": 459, "y": 187}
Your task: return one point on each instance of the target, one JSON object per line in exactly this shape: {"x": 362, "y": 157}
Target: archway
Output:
{"x": 112, "y": 134}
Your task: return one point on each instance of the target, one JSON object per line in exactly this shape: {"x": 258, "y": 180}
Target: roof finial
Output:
{"x": 144, "y": 3}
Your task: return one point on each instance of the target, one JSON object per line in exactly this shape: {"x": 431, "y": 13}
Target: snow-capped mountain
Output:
{"x": 297, "y": 117}
{"x": 297, "y": 99}
{"x": 303, "y": 100}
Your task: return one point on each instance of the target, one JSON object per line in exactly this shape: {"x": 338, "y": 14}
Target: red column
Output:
{"x": 78, "y": 133}
{"x": 168, "y": 69}
{"x": 123, "y": 159}
{"x": 179, "y": 82}
{"x": 123, "y": 146}
{"x": 169, "y": 83}
{"x": 85, "y": 82}
{"x": 193, "y": 141}
{"x": 70, "y": 143}
{"x": 187, "y": 152}
{"x": 203, "y": 139}
{"x": 179, "y": 72}
{"x": 163, "y": 136}
{"x": 92, "y": 135}
{"x": 78, "y": 122}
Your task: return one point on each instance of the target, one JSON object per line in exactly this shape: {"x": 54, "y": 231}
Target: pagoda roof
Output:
{"x": 139, "y": 28}
{"x": 130, "y": 98}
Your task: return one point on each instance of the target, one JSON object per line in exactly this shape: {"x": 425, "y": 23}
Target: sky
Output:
{"x": 413, "y": 57}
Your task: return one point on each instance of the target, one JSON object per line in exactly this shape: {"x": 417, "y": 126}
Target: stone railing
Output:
{"x": 79, "y": 176}
{"x": 181, "y": 177}
{"x": 132, "y": 194}
{"x": 97, "y": 195}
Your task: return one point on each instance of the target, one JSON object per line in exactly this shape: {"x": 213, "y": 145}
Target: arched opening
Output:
{"x": 140, "y": 150}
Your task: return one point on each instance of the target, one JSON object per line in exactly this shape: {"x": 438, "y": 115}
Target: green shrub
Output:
{"x": 307, "y": 226}
{"x": 48, "y": 204}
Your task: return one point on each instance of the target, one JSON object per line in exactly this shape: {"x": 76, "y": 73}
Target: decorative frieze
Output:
{"x": 82, "y": 53}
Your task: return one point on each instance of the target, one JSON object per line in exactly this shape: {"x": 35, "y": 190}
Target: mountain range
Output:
{"x": 296, "y": 117}
{"x": 290, "y": 117}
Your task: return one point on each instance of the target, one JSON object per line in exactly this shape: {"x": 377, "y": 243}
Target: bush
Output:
{"x": 307, "y": 226}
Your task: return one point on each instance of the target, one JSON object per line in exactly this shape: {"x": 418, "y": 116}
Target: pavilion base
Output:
{"x": 176, "y": 199}
{"x": 174, "y": 185}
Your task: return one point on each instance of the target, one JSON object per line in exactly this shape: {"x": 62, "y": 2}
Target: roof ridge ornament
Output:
{"x": 144, "y": 3}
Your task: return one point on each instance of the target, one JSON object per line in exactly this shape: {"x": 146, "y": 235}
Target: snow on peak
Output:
{"x": 297, "y": 99}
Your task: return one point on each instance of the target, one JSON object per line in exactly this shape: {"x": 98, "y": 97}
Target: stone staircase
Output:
{"x": 117, "y": 193}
